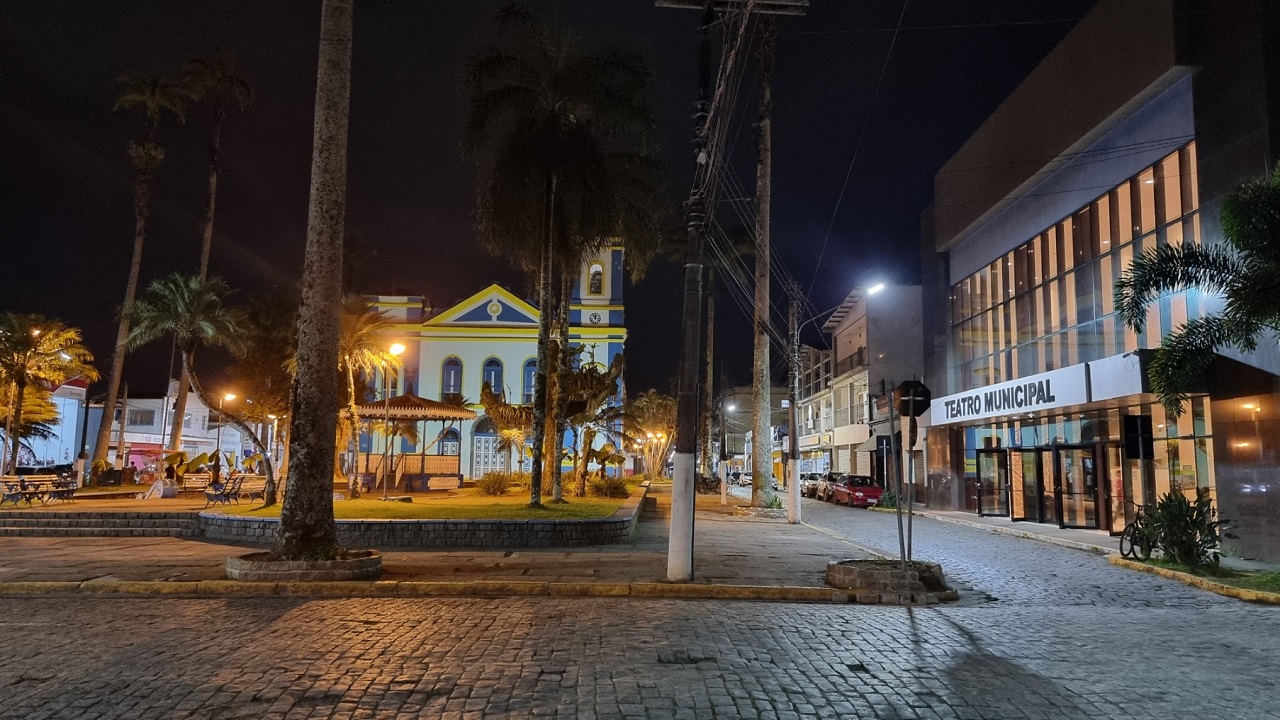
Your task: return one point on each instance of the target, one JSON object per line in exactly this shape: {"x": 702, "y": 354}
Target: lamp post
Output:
{"x": 271, "y": 447}
{"x": 724, "y": 465}
{"x": 217, "y": 443}
{"x": 396, "y": 349}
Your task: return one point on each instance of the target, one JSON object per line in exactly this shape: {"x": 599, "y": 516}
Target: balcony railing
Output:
{"x": 857, "y": 360}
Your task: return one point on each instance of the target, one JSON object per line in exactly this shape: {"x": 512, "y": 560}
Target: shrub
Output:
{"x": 888, "y": 500}
{"x": 494, "y": 483}
{"x": 608, "y": 486}
{"x": 1186, "y": 532}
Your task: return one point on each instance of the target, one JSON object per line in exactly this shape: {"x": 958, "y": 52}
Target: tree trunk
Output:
{"x": 17, "y": 421}
{"x": 708, "y": 382}
{"x": 588, "y": 439}
{"x": 544, "y": 337}
{"x": 762, "y": 390}
{"x": 564, "y": 366}
{"x": 307, "y": 529}
{"x": 353, "y": 480}
{"x": 146, "y": 159}
{"x": 179, "y": 410}
{"x": 8, "y": 425}
{"x": 239, "y": 424}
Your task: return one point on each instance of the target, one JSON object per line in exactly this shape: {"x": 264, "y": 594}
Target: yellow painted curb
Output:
{"x": 589, "y": 589}
{"x": 139, "y": 587}
{"x": 1259, "y": 596}
{"x": 38, "y": 587}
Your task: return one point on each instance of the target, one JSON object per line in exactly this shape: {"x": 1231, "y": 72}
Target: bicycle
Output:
{"x": 1137, "y": 539}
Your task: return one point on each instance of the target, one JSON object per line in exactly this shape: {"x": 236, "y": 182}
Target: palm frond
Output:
{"x": 1161, "y": 270}
{"x": 1185, "y": 354}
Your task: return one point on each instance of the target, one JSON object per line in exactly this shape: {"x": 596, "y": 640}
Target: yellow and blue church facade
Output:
{"x": 491, "y": 336}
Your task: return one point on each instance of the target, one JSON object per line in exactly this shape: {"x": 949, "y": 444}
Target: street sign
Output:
{"x": 912, "y": 398}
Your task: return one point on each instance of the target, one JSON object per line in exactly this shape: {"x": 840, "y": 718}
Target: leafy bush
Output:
{"x": 775, "y": 502}
{"x": 888, "y": 500}
{"x": 495, "y": 483}
{"x": 1186, "y": 532}
{"x": 608, "y": 486}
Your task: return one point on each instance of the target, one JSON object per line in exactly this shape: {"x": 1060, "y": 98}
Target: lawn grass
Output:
{"x": 113, "y": 489}
{"x": 459, "y": 507}
{"x": 1265, "y": 581}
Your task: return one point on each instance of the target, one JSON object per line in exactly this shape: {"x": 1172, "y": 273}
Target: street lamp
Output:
{"x": 271, "y": 449}
{"x": 396, "y": 350}
{"x": 217, "y": 443}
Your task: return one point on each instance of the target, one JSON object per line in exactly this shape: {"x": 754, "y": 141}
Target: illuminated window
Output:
{"x": 451, "y": 378}
{"x": 595, "y": 285}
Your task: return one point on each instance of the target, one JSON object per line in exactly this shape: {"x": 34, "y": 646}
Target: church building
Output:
{"x": 491, "y": 336}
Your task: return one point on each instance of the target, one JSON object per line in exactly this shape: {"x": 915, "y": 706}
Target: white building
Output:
{"x": 148, "y": 420}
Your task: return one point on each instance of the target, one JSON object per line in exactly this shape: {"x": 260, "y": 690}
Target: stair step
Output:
{"x": 107, "y": 522}
{"x": 81, "y": 514}
{"x": 97, "y": 532}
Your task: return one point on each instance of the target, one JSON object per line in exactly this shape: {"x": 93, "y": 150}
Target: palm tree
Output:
{"x": 588, "y": 391}
{"x": 653, "y": 418}
{"x": 361, "y": 350}
{"x": 307, "y": 530}
{"x": 38, "y": 414}
{"x": 513, "y": 422}
{"x": 152, "y": 95}
{"x": 1244, "y": 269}
{"x": 563, "y": 140}
{"x": 215, "y": 77}
{"x": 192, "y": 310}
{"x": 34, "y": 348}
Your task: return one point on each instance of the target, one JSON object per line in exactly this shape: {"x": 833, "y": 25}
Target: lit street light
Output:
{"x": 396, "y": 350}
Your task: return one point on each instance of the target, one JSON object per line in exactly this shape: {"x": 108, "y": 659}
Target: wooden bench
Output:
{"x": 195, "y": 482}
{"x": 253, "y": 487}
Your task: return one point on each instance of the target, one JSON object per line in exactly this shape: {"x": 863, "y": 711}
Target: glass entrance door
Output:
{"x": 993, "y": 482}
{"x": 1076, "y": 486}
{"x": 1026, "y": 485}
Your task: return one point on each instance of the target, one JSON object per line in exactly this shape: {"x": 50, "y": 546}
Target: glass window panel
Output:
{"x": 1021, "y": 270}
{"x": 1191, "y": 229}
{"x": 1106, "y": 284}
{"x": 1066, "y": 252}
{"x": 1025, "y": 310}
{"x": 1083, "y": 233}
{"x": 1053, "y": 305}
{"x": 982, "y": 291}
{"x": 1190, "y": 175}
{"x": 1178, "y": 309}
{"x": 1035, "y": 253}
{"x": 1124, "y": 213}
{"x": 1006, "y": 324}
{"x": 1173, "y": 234}
{"x": 1050, "y": 262}
{"x": 1067, "y": 297}
{"x": 1146, "y": 212}
{"x": 1170, "y": 187}
{"x": 1108, "y": 339}
{"x": 1103, "y": 220}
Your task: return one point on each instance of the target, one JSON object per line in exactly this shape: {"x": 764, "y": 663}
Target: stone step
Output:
{"x": 83, "y": 514}
{"x": 97, "y": 532}
{"x": 96, "y": 522}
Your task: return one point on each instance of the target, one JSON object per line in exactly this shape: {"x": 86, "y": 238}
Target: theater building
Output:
{"x": 1125, "y": 138}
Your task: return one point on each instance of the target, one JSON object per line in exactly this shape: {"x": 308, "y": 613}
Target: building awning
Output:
{"x": 412, "y": 407}
{"x": 869, "y": 445}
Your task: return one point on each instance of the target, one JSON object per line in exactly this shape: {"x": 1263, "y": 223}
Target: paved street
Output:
{"x": 1044, "y": 632}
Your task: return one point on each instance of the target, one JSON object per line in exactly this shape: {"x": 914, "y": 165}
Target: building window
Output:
{"x": 1049, "y": 303}
{"x": 142, "y": 417}
{"x": 451, "y": 378}
{"x": 595, "y": 286}
{"x": 493, "y": 375}
{"x": 530, "y": 371}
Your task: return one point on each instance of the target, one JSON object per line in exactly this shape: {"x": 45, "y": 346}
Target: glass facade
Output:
{"x": 1049, "y": 303}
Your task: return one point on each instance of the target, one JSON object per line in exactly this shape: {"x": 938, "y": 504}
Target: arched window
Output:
{"x": 449, "y": 442}
{"x": 530, "y": 370}
{"x": 493, "y": 375}
{"x": 451, "y": 378}
{"x": 595, "y": 285}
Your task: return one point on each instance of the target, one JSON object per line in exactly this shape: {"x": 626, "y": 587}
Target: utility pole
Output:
{"x": 680, "y": 543}
{"x": 762, "y": 383}
{"x": 708, "y": 381}
{"x": 793, "y": 478}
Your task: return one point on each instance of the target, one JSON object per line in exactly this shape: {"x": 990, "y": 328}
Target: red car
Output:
{"x": 856, "y": 491}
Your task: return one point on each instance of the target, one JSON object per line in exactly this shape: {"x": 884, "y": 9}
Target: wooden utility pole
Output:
{"x": 761, "y": 380}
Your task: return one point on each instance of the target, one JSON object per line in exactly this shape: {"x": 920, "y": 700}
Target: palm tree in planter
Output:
{"x": 217, "y": 79}
{"x": 1244, "y": 270}
{"x": 154, "y": 96}
{"x": 37, "y": 349}
{"x": 192, "y": 310}
{"x": 565, "y": 141}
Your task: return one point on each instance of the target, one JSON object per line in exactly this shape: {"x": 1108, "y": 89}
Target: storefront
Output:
{"x": 1076, "y": 447}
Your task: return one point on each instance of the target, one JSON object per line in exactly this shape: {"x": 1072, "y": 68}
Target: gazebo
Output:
{"x": 416, "y": 469}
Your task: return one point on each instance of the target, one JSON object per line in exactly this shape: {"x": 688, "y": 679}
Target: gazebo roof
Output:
{"x": 412, "y": 407}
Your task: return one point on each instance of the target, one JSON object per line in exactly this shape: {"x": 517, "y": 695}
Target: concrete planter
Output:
{"x": 361, "y": 565}
{"x": 884, "y": 582}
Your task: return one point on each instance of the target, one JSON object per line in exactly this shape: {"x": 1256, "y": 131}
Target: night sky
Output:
{"x": 66, "y": 220}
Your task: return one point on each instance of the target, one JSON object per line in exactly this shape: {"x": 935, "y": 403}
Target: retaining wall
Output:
{"x": 426, "y": 534}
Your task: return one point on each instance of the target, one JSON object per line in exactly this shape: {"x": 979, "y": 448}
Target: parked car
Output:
{"x": 826, "y": 481}
{"x": 809, "y": 485}
{"x": 857, "y": 491}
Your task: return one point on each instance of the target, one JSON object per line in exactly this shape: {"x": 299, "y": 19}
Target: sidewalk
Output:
{"x": 1094, "y": 541}
{"x": 729, "y": 552}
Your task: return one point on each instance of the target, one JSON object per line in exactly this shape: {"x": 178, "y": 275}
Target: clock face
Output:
{"x": 594, "y": 318}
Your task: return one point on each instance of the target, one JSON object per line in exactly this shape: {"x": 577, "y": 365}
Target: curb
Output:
{"x": 1063, "y": 542}
{"x": 1258, "y": 596}
{"x": 394, "y": 588}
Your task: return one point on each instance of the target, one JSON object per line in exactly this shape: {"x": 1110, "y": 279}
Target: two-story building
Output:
{"x": 875, "y": 343}
{"x": 492, "y": 337}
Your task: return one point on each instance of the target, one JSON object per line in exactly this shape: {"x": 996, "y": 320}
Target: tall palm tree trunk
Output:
{"x": 353, "y": 481}
{"x": 206, "y": 245}
{"x": 17, "y": 421}
{"x": 762, "y": 391}
{"x": 307, "y": 529}
{"x": 563, "y": 368}
{"x": 544, "y": 337}
{"x": 239, "y": 424}
{"x": 588, "y": 439}
{"x": 146, "y": 159}
{"x": 708, "y": 382}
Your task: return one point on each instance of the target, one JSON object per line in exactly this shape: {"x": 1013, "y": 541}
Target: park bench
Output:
{"x": 253, "y": 486}
{"x": 196, "y": 482}
{"x": 224, "y": 494}
{"x": 30, "y": 488}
